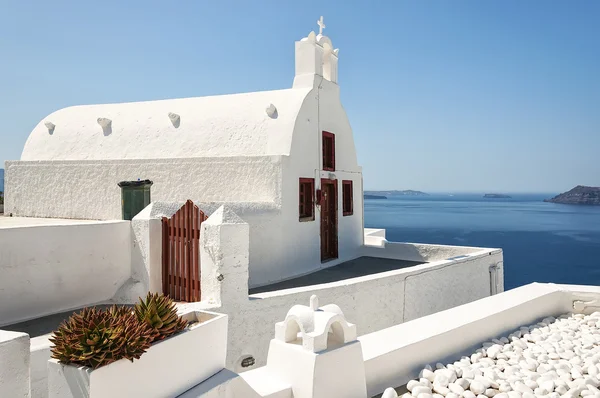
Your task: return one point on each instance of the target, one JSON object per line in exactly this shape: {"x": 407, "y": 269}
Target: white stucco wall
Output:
{"x": 321, "y": 111}
{"x": 88, "y": 189}
{"x": 14, "y": 364}
{"x": 47, "y": 269}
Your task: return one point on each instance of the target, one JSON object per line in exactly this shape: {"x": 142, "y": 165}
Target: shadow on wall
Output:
{"x": 77, "y": 381}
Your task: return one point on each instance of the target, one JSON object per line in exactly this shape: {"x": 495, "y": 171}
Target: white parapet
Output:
{"x": 14, "y": 365}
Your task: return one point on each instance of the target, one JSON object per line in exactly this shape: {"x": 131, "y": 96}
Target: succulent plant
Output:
{"x": 159, "y": 312}
{"x": 96, "y": 337}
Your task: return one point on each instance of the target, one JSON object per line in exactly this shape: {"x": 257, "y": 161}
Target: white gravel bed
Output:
{"x": 557, "y": 357}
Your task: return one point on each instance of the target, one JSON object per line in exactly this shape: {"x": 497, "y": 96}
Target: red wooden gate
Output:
{"x": 180, "y": 254}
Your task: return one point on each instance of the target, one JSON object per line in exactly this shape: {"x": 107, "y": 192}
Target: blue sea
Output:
{"x": 542, "y": 242}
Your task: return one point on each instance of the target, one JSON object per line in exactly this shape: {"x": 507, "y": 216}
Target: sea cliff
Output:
{"x": 580, "y": 195}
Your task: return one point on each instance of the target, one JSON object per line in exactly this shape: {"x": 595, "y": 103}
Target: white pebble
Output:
{"x": 531, "y": 384}
{"x": 427, "y": 374}
{"x": 443, "y": 391}
{"x": 412, "y": 384}
{"x": 441, "y": 380}
{"x": 522, "y": 388}
{"x": 390, "y": 393}
{"x": 552, "y": 358}
{"x": 547, "y": 385}
{"x": 561, "y": 390}
{"x": 420, "y": 390}
{"x": 464, "y": 383}
{"x": 477, "y": 387}
{"x": 455, "y": 388}
{"x": 505, "y": 387}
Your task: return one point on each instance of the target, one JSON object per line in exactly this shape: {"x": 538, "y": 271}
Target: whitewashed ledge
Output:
{"x": 396, "y": 355}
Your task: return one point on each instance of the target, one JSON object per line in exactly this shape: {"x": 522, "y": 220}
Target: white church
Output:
{"x": 276, "y": 173}
{"x": 284, "y": 159}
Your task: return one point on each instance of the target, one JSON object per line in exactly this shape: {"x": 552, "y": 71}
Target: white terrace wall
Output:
{"x": 88, "y": 189}
{"x": 14, "y": 365}
{"x": 47, "y": 269}
{"x": 372, "y": 302}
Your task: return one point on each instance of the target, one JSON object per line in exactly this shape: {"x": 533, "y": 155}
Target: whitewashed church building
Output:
{"x": 276, "y": 173}
{"x": 284, "y": 159}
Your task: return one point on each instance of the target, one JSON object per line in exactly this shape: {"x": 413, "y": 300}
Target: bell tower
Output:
{"x": 315, "y": 57}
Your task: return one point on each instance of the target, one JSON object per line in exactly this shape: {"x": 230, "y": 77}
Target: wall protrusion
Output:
{"x": 224, "y": 253}
{"x": 106, "y": 125}
{"x": 272, "y": 111}
{"x": 175, "y": 119}
{"x": 50, "y": 126}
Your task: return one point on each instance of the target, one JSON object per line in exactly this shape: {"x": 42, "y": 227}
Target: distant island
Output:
{"x": 496, "y": 196}
{"x": 407, "y": 192}
{"x": 580, "y": 195}
{"x": 366, "y": 196}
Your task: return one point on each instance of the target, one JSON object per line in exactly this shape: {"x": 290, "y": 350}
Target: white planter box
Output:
{"x": 167, "y": 369}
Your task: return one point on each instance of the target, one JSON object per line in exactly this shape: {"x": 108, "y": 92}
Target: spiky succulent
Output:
{"x": 159, "y": 312}
{"x": 96, "y": 337}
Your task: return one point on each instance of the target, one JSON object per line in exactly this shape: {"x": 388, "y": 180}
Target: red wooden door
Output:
{"x": 181, "y": 253}
{"x": 329, "y": 227}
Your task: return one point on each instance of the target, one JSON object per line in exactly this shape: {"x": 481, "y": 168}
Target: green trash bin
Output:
{"x": 135, "y": 196}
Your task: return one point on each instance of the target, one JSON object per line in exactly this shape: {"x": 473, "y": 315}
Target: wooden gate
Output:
{"x": 180, "y": 254}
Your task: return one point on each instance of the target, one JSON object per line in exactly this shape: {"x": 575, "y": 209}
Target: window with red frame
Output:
{"x": 328, "y": 151}
{"x": 306, "y": 199}
{"x": 347, "y": 198}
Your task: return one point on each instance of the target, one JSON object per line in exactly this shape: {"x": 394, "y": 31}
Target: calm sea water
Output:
{"x": 542, "y": 242}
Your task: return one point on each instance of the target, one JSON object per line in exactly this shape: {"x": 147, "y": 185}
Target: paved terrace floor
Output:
{"x": 44, "y": 325}
{"x": 350, "y": 269}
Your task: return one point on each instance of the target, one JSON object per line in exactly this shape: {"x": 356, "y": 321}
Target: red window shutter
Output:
{"x": 306, "y": 208}
{"x": 328, "y": 151}
{"x": 347, "y": 198}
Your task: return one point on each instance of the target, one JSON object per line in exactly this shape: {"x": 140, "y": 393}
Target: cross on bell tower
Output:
{"x": 316, "y": 59}
{"x": 321, "y": 25}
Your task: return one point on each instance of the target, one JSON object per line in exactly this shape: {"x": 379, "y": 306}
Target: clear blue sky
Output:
{"x": 442, "y": 95}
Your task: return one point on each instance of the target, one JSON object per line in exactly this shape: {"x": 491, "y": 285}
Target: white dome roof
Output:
{"x": 219, "y": 126}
